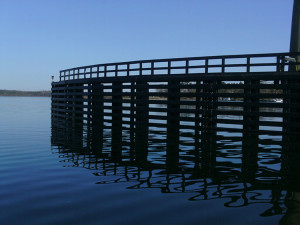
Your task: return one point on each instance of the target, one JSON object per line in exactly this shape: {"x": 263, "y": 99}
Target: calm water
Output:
{"x": 66, "y": 176}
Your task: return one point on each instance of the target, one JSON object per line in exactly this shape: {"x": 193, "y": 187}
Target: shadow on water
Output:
{"x": 243, "y": 169}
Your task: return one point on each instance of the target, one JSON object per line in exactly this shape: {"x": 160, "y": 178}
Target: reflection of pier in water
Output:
{"x": 242, "y": 168}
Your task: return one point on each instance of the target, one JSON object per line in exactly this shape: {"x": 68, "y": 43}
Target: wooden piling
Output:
{"x": 173, "y": 124}
{"x": 116, "y": 137}
{"x": 142, "y": 121}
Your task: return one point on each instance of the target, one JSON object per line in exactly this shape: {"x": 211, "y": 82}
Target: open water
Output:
{"x": 56, "y": 175}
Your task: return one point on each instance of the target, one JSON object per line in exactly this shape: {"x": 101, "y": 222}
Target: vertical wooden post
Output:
{"x": 116, "y": 145}
{"x": 293, "y": 96}
{"x": 196, "y": 169}
{"x": 173, "y": 122}
{"x": 132, "y": 118}
{"x": 295, "y": 31}
{"x": 250, "y": 129}
{"x": 97, "y": 117}
{"x": 89, "y": 110}
{"x": 68, "y": 96}
{"x": 208, "y": 127}
{"x": 209, "y": 106}
{"x": 295, "y": 47}
{"x": 73, "y": 112}
{"x": 251, "y": 107}
{"x": 77, "y": 107}
{"x": 142, "y": 121}
{"x": 286, "y": 108}
{"x": 198, "y": 111}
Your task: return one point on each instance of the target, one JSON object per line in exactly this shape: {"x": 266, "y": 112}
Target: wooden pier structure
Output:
{"x": 208, "y": 94}
{"x": 165, "y": 123}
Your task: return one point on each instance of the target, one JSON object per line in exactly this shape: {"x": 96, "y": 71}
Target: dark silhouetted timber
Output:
{"x": 165, "y": 123}
{"x": 129, "y": 91}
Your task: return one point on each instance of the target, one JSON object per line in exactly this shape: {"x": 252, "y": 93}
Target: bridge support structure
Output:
{"x": 116, "y": 120}
{"x": 142, "y": 121}
{"x": 173, "y": 124}
{"x": 267, "y": 95}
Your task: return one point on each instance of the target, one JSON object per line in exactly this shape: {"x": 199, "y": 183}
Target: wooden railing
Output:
{"x": 274, "y": 62}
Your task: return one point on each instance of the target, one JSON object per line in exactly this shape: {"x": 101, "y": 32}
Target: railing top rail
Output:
{"x": 223, "y": 64}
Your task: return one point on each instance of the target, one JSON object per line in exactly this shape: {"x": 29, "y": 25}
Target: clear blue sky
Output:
{"x": 40, "y": 37}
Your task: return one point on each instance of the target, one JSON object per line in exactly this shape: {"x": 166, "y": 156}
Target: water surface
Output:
{"x": 65, "y": 175}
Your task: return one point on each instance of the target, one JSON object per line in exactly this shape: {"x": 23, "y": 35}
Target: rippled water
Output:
{"x": 63, "y": 176}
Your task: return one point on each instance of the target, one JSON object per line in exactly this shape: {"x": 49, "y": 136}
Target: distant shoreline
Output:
{"x": 16, "y": 93}
{"x": 25, "y": 96}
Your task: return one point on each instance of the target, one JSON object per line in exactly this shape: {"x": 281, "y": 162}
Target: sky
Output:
{"x": 38, "y": 38}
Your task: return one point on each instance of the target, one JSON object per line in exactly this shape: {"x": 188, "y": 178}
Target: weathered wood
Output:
{"x": 244, "y": 63}
{"x": 173, "y": 123}
{"x": 206, "y": 100}
{"x": 116, "y": 120}
{"x": 142, "y": 120}
{"x": 97, "y": 117}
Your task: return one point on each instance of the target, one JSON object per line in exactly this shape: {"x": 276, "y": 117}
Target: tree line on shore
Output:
{"x": 25, "y": 93}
